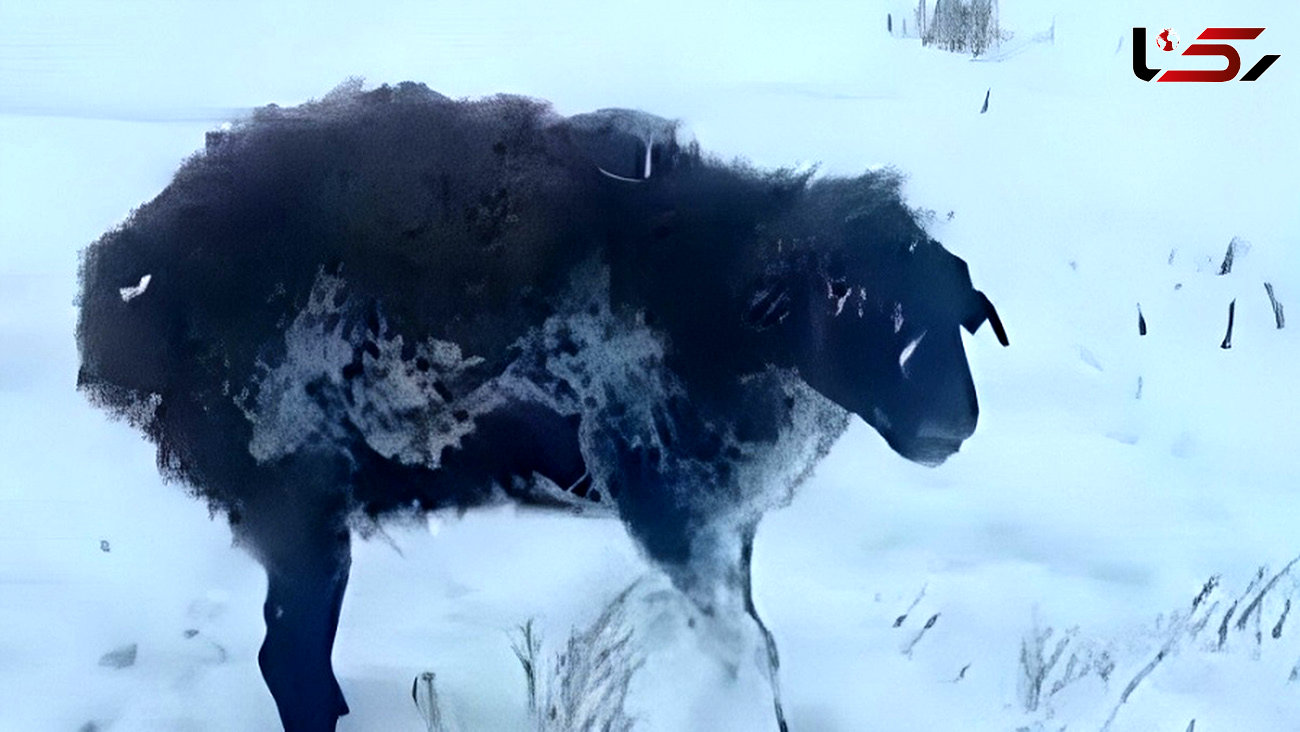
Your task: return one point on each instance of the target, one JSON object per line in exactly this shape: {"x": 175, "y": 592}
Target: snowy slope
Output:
{"x": 1076, "y": 507}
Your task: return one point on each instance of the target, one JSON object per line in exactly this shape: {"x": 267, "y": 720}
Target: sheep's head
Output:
{"x": 872, "y": 309}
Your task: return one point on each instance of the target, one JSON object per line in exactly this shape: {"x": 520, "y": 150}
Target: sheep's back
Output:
{"x": 449, "y": 221}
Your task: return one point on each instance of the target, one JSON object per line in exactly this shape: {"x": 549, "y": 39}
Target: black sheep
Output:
{"x": 388, "y": 302}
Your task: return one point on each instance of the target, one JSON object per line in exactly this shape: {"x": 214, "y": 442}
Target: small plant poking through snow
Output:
{"x": 1050, "y": 662}
{"x": 1036, "y": 663}
{"x": 528, "y": 648}
{"x": 586, "y": 686}
{"x": 425, "y": 696}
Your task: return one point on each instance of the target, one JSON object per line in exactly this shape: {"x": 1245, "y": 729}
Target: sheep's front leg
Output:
{"x": 707, "y": 554}
{"x": 772, "y": 660}
{"x": 717, "y": 579}
{"x": 299, "y": 535}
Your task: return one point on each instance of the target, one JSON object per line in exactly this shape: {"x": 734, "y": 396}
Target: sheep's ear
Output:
{"x": 982, "y": 309}
{"x": 769, "y": 306}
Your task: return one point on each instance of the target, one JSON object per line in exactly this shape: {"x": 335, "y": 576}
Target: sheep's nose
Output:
{"x": 928, "y": 451}
{"x": 928, "y": 444}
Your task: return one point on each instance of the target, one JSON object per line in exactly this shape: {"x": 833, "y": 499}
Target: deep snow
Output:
{"x": 1074, "y": 506}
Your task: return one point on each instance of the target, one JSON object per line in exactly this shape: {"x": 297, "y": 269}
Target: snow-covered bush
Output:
{"x": 960, "y": 26}
{"x": 585, "y": 687}
{"x": 1245, "y": 630}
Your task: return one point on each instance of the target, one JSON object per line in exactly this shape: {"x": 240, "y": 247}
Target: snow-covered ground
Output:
{"x": 1079, "y": 516}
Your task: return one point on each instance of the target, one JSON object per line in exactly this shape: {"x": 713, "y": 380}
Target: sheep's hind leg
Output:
{"x": 298, "y": 532}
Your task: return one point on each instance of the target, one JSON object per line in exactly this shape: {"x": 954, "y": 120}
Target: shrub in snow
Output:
{"x": 585, "y": 686}
{"x": 961, "y": 26}
{"x": 1214, "y": 622}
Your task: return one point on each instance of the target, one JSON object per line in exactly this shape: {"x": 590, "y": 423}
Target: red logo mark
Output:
{"x": 1167, "y": 40}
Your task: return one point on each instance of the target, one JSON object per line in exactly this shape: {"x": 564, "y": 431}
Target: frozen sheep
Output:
{"x": 388, "y": 303}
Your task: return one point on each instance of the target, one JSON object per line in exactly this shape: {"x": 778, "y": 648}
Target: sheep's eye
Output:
{"x": 838, "y": 289}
